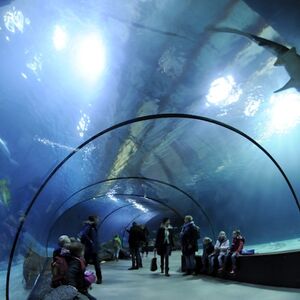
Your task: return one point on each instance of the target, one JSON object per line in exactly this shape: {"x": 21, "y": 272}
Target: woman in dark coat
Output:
{"x": 89, "y": 238}
{"x": 163, "y": 244}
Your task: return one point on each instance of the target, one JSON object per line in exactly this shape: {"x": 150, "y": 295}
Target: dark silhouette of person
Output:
{"x": 163, "y": 244}
{"x": 208, "y": 249}
{"x": 89, "y": 238}
{"x": 136, "y": 237}
{"x": 189, "y": 243}
{"x": 145, "y": 248}
{"x": 76, "y": 269}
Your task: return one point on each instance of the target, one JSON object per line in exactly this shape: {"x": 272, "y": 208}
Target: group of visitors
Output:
{"x": 73, "y": 255}
{"x": 222, "y": 254}
{"x": 137, "y": 240}
{"x": 164, "y": 243}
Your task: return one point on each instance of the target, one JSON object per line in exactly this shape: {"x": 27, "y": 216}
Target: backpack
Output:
{"x": 116, "y": 242}
{"x": 85, "y": 234}
{"x": 196, "y": 232}
{"x": 59, "y": 268}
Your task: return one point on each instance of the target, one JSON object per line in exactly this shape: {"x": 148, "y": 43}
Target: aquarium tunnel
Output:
{"x": 144, "y": 109}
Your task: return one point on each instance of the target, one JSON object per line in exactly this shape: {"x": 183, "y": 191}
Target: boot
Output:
{"x": 188, "y": 272}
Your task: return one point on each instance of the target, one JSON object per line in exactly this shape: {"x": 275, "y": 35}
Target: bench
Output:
{"x": 274, "y": 269}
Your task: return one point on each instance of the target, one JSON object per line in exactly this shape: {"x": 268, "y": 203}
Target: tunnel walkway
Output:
{"x": 121, "y": 284}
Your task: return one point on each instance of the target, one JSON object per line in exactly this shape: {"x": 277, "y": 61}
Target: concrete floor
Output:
{"x": 121, "y": 284}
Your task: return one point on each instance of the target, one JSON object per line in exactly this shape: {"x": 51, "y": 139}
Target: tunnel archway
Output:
{"x": 122, "y": 124}
{"x": 105, "y": 217}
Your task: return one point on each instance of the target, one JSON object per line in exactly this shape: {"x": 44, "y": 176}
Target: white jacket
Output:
{"x": 223, "y": 247}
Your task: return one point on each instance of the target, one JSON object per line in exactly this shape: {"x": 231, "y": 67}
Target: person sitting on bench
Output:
{"x": 220, "y": 250}
{"x": 235, "y": 250}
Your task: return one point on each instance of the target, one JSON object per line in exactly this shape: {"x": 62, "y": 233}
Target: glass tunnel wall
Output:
{"x": 162, "y": 167}
{"x": 229, "y": 182}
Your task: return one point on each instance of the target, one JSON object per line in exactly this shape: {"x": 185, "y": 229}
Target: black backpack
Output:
{"x": 196, "y": 232}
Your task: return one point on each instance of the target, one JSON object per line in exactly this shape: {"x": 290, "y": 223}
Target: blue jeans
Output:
{"x": 136, "y": 257}
{"x": 116, "y": 253}
{"x": 233, "y": 257}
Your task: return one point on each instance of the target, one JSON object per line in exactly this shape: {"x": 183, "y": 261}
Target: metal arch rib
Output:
{"x": 128, "y": 122}
{"x": 113, "y": 211}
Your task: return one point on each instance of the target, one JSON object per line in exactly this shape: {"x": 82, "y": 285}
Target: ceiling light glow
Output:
{"x": 284, "y": 111}
{"x": 223, "y": 91}
{"x": 59, "y": 38}
{"x": 90, "y": 57}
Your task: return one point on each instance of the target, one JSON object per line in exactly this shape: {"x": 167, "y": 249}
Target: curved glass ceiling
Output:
{"x": 72, "y": 69}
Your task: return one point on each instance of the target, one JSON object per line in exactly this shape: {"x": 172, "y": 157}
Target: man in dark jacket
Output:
{"x": 89, "y": 238}
{"x": 189, "y": 243}
{"x": 136, "y": 237}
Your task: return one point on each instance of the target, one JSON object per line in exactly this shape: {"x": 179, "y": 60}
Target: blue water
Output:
{"x": 70, "y": 70}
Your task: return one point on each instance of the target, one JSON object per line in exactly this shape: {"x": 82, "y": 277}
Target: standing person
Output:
{"x": 146, "y": 242}
{"x": 163, "y": 244}
{"x": 117, "y": 246}
{"x": 135, "y": 238}
{"x": 89, "y": 238}
{"x": 189, "y": 243}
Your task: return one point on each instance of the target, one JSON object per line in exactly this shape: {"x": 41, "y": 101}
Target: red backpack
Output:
{"x": 59, "y": 268}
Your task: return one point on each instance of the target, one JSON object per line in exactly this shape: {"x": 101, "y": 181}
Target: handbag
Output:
{"x": 153, "y": 267}
{"x": 89, "y": 277}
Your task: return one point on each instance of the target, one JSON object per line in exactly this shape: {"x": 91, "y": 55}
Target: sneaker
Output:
{"x": 232, "y": 272}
